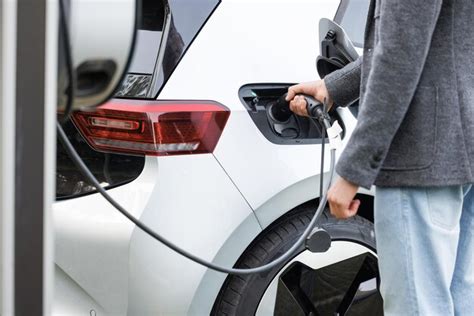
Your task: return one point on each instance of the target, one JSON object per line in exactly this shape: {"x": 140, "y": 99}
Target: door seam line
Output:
{"x": 235, "y": 185}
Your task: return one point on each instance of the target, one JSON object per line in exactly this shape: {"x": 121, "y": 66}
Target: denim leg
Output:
{"x": 417, "y": 231}
{"x": 462, "y": 286}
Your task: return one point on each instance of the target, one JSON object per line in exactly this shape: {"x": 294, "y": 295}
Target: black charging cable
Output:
{"x": 149, "y": 231}
{"x": 318, "y": 113}
{"x": 323, "y": 146}
{"x": 145, "y": 228}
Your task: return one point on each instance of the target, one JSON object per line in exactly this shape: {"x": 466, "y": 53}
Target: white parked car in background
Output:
{"x": 188, "y": 148}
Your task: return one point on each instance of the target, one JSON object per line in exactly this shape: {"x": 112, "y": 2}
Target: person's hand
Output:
{"x": 298, "y": 105}
{"x": 341, "y": 199}
{"x": 316, "y": 89}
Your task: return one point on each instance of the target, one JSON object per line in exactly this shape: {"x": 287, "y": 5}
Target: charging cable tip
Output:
{"x": 318, "y": 241}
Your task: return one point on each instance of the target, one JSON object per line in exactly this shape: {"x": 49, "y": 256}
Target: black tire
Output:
{"x": 241, "y": 295}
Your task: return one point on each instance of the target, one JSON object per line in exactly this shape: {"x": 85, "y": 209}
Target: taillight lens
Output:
{"x": 153, "y": 127}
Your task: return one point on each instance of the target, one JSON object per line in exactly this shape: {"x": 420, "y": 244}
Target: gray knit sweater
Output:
{"x": 416, "y": 84}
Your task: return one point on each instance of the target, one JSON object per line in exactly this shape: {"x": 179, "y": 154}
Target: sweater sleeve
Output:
{"x": 405, "y": 33}
{"x": 344, "y": 84}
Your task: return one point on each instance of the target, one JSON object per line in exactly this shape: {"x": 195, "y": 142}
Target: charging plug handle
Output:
{"x": 280, "y": 110}
{"x": 316, "y": 110}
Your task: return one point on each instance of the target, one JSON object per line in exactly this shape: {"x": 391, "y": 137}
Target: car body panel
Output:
{"x": 212, "y": 205}
{"x": 249, "y": 42}
{"x": 196, "y": 206}
{"x": 124, "y": 269}
{"x": 70, "y": 299}
{"x": 211, "y": 281}
{"x": 260, "y": 169}
{"x": 92, "y": 239}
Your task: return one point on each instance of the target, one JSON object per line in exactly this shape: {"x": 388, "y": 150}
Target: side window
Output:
{"x": 352, "y": 16}
{"x": 166, "y": 29}
{"x": 151, "y": 23}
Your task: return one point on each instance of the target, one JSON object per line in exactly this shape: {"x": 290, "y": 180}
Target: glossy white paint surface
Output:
{"x": 257, "y": 45}
{"x": 92, "y": 240}
{"x": 70, "y": 299}
{"x": 196, "y": 206}
{"x": 188, "y": 199}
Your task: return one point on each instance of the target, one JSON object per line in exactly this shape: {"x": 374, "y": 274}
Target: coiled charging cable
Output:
{"x": 269, "y": 266}
{"x": 323, "y": 119}
{"x": 317, "y": 112}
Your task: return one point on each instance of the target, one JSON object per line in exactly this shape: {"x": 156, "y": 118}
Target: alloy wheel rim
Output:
{"x": 340, "y": 253}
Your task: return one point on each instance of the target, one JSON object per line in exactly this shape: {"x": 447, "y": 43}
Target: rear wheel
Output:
{"x": 342, "y": 280}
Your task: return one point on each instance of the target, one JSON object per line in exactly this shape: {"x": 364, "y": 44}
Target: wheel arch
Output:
{"x": 295, "y": 213}
{"x": 212, "y": 282}
{"x": 300, "y": 194}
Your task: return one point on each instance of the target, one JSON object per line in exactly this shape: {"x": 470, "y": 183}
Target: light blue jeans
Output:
{"x": 425, "y": 245}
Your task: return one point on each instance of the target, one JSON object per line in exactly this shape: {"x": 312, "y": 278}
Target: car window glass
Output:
{"x": 151, "y": 24}
{"x": 187, "y": 18}
{"x": 352, "y": 16}
{"x": 167, "y": 28}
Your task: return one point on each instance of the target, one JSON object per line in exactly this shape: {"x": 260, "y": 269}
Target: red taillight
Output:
{"x": 153, "y": 127}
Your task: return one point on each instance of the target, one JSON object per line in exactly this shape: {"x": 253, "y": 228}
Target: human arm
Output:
{"x": 341, "y": 88}
{"x": 406, "y": 29}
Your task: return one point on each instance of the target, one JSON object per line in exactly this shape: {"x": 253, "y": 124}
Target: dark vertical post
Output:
{"x": 30, "y": 158}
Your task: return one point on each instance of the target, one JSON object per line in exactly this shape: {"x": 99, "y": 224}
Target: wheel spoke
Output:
{"x": 348, "y": 287}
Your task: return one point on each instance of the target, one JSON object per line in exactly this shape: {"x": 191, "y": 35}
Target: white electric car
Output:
{"x": 188, "y": 148}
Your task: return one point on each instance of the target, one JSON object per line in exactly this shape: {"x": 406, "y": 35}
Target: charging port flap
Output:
{"x": 258, "y": 100}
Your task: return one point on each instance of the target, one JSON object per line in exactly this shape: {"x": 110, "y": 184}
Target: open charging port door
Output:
{"x": 336, "y": 51}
